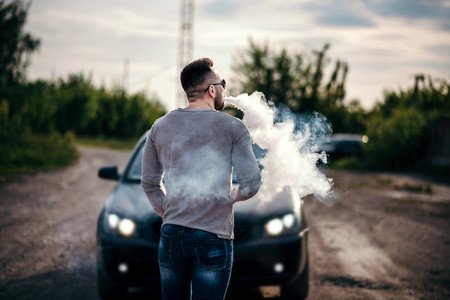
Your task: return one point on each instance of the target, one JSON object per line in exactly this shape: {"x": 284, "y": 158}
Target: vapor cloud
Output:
{"x": 291, "y": 159}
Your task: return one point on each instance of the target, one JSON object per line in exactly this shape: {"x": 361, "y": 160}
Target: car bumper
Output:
{"x": 268, "y": 261}
{"x": 140, "y": 258}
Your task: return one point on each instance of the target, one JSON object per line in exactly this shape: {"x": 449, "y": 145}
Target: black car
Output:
{"x": 344, "y": 145}
{"x": 270, "y": 245}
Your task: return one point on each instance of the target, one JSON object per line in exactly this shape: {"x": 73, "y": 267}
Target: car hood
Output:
{"x": 130, "y": 200}
{"x": 286, "y": 200}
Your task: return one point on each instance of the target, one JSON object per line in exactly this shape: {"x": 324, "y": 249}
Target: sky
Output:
{"x": 385, "y": 42}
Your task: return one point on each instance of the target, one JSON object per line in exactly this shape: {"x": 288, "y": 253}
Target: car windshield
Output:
{"x": 134, "y": 171}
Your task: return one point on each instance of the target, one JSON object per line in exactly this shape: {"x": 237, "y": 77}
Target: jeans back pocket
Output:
{"x": 212, "y": 253}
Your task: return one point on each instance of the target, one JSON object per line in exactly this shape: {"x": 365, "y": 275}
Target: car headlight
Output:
{"x": 127, "y": 227}
{"x": 123, "y": 226}
{"x": 277, "y": 226}
{"x": 274, "y": 227}
{"x": 113, "y": 221}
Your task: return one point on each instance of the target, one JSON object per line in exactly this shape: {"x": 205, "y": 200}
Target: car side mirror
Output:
{"x": 109, "y": 172}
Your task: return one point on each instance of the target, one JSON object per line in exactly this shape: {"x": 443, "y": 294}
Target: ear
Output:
{"x": 211, "y": 90}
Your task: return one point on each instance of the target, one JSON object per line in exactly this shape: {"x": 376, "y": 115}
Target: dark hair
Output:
{"x": 196, "y": 73}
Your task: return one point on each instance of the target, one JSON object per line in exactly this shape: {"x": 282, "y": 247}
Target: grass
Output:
{"x": 109, "y": 143}
{"x": 357, "y": 165}
{"x": 33, "y": 153}
{"x": 349, "y": 163}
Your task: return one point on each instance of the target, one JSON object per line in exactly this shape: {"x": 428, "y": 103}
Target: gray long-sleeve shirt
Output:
{"x": 195, "y": 151}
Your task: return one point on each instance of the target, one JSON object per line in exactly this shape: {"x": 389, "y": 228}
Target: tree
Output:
{"x": 400, "y": 125}
{"x": 297, "y": 81}
{"x": 396, "y": 142}
{"x": 16, "y": 46}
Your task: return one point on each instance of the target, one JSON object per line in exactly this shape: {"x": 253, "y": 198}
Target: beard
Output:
{"x": 219, "y": 103}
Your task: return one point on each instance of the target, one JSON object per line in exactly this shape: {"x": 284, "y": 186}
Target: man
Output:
{"x": 195, "y": 149}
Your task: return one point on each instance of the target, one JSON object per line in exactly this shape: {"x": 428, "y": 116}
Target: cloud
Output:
{"x": 411, "y": 9}
{"x": 373, "y": 36}
{"x": 440, "y": 50}
{"x": 221, "y": 8}
{"x": 340, "y": 14}
{"x": 436, "y": 10}
{"x": 343, "y": 19}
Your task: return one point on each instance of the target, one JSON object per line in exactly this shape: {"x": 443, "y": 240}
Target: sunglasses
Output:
{"x": 222, "y": 83}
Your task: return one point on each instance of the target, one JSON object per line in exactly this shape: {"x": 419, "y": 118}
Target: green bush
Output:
{"x": 30, "y": 153}
{"x": 75, "y": 104}
{"x": 348, "y": 163}
{"x": 397, "y": 126}
{"x": 397, "y": 141}
{"x": 38, "y": 120}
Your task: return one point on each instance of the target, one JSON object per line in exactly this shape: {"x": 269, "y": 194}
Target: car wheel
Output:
{"x": 298, "y": 288}
{"x": 107, "y": 289}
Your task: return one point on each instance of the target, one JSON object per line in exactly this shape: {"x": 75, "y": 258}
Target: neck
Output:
{"x": 200, "y": 103}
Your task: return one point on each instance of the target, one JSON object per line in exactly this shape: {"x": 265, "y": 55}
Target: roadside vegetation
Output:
{"x": 41, "y": 121}
{"x": 408, "y": 129}
{"x": 110, "y": 143}
{"x": 32, "y": 153}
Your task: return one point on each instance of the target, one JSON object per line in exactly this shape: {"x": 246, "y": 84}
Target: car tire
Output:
{"x": 298, "y": 288}
{"x": 107, "y": 289}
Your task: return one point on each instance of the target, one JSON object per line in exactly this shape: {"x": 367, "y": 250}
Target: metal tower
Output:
{"x": 185, "y": 40}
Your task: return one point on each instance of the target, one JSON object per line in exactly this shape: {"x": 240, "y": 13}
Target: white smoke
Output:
{"x": 291, "y": 159}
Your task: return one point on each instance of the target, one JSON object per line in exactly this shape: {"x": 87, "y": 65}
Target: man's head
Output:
{"x": 199, "y": 80}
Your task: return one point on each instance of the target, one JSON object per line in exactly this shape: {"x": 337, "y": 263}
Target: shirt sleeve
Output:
{"x": 245, "y": 164}
{"x": 151, "y": 177}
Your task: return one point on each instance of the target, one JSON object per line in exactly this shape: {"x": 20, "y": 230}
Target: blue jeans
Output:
{"x": 193, "y": 263}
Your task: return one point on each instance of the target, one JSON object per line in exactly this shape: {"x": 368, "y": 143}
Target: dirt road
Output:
{"x": 381, "y": 239}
